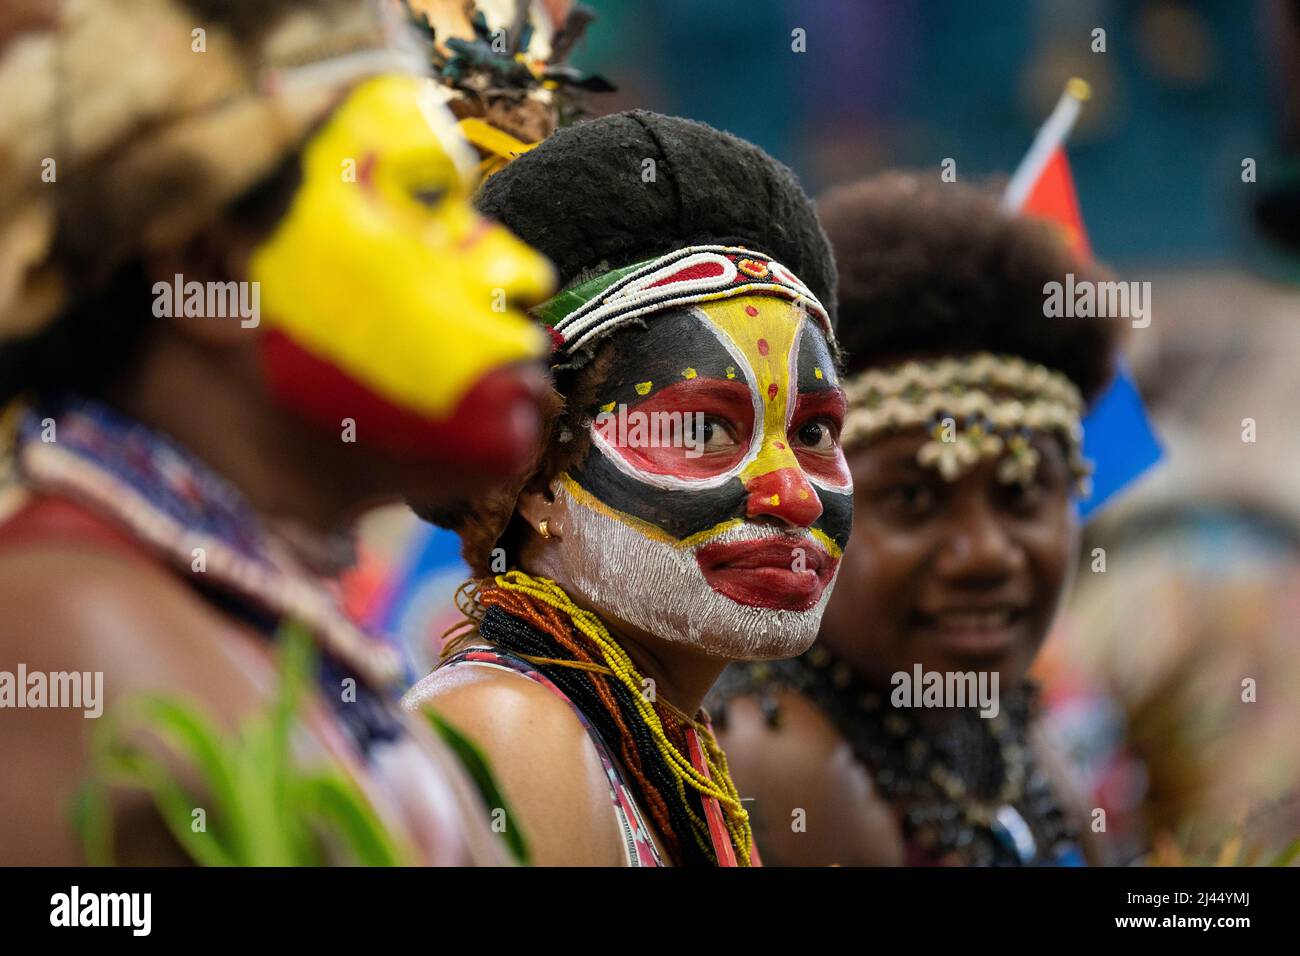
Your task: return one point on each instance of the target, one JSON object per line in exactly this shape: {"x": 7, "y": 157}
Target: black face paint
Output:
{"x": 815, "y": 369}
{"x": 660, "y": 354}
{"x": 836, "y": 520}
{"x": 678, "y": 346}
{"x": 677, "y": 513}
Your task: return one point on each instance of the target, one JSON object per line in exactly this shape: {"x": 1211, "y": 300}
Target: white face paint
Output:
{"x": 658, "y": 587}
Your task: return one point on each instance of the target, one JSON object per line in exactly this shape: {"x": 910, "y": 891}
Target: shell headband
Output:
{"x": 593, "y": 309}
{"x": 974, "y": 407}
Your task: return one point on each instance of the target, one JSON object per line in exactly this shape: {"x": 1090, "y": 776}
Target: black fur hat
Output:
{"x": 588, "y": 198}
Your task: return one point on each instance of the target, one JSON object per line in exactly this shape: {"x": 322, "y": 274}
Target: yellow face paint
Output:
{"x": 744, "y": 536}
{"x": 752, "y": 360}
{"x": 383, "y": 271}
{"x": 765, "y": 331}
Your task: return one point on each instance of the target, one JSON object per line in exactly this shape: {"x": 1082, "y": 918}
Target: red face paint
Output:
{"x": 784, "y": 493}
{"x": 507, "y": 397}
{"x": 640, "y": 440}
{"x": 827, "y": 467}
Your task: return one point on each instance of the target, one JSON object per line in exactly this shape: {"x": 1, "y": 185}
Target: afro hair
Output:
{"x": 931, "y": 268}
{"x": 635, "y": 185}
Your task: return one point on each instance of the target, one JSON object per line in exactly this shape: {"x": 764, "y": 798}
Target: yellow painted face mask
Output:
{"x": 390, "y": 304}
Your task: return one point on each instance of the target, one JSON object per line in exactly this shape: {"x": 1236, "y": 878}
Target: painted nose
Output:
{"x": 786, "y": 494}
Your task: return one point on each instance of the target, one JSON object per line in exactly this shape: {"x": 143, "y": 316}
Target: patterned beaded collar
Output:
{"x": 189, "y": 515}
{"x": 974, "y": 407}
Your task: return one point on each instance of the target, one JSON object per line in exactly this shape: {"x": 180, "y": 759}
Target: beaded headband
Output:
{"x": 975, "y": 406}
{"x": 593, "y": 309}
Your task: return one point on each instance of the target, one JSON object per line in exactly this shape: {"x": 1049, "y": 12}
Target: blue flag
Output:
{"x": 1119, "y": 439}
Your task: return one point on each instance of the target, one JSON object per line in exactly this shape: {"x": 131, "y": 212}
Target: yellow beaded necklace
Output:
{"x": 714, "y": 782}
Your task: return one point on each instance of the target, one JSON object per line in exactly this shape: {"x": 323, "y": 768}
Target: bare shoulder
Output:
{"x": 814, "y": 803}
{"x": 95, "y": 608}
{"x": 542, "y": 756}
{"x": 124, "y": 626}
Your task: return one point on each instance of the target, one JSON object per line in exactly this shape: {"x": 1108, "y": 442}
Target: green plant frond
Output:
{"x": 188, "y": 732}
{"x": 335, "y": 801}
{"x": 1288, "y": 856}
{"x": 480, "y": 772}
{"x": 92, "y": 818}
{"x": 261, "y": 810}
{"x": 175, "y": 805}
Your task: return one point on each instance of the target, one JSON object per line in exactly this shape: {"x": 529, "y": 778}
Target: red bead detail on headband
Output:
{"x": 701, "y": 270}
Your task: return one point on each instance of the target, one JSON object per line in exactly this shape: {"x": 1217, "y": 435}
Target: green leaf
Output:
{"x": 1288, "y": 855}
{"x": 261, "y": 810}
{"x": 480, "y": 772}
{"x": 335, "y": 801}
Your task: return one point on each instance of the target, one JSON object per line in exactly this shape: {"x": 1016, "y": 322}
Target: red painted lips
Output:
{"x": 764, "y": 573}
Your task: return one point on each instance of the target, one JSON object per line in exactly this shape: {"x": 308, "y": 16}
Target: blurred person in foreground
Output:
{"x": 690, "y": 502}
{"x": 963, "y": 437}
{"x": 244, "y": 296}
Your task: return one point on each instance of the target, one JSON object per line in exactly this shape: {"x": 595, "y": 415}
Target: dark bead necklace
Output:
{"x": 968, "y": 792}
{"x": 520, "y": 637}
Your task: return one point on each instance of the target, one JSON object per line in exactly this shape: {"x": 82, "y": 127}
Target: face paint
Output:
{"x": 736, "y": 549}
{"x": 389, "y": 301}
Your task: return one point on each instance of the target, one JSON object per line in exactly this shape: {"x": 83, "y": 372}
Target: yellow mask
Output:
{"x": 389, "y": 301}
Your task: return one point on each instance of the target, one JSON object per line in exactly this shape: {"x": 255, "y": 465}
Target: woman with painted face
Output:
{"x": 688, "y": 508}
{"x": 905, "y": 734}
{"x": 200, "y": 311}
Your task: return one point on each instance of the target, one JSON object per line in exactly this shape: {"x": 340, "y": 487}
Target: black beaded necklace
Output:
{"x": 520, "y": 637}
{"x": 969, "y": 793}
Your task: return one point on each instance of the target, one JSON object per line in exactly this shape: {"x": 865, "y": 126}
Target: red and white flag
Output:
{"x": 1042, "y": 185}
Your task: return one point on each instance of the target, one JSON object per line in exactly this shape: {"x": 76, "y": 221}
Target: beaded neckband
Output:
{"x": 973, "y": 792}
{"x": 677, "y": 764}
{"x": 166, "y": 499}
{"x": 974, "y": 407}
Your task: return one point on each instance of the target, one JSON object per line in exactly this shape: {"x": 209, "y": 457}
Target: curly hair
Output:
{"x": 488, "y": 521}
{"x": 929, "y": 268}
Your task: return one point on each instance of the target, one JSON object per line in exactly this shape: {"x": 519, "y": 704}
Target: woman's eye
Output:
{"x": 817, "y": 435}
{"x": 709, "y": 432}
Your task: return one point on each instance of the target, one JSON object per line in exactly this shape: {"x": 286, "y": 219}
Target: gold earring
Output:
{"x": 544, "y": 528}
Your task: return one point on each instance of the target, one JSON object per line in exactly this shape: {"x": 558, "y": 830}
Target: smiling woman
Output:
{"x": 624, "y": 574}
{"x": 963, "y": 439}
